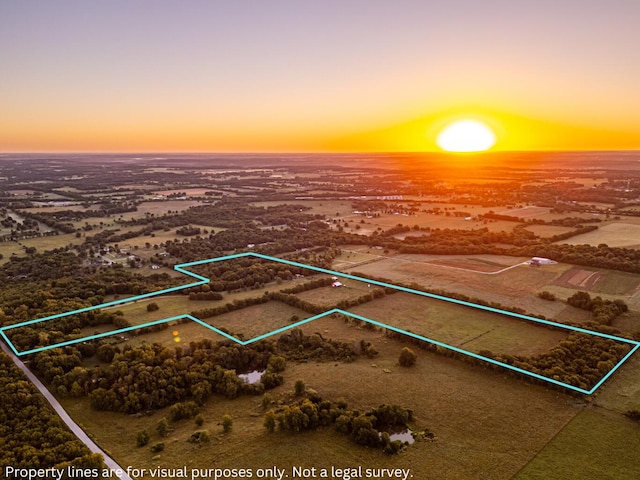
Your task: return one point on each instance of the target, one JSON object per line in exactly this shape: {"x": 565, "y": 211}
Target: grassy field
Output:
{"x": 7, "y": 249}
{"x": 621, "y": 393}
{"x": 486, "y": 425}
{"x": 596, "y": 444}
{"x": 257, "y": 319}
{"x": 460, "y": 326}
{"x": 616, "y": 234}
{"x": 517, "y": 286}
{"x": 49, "y": 243}
{"x": 599, "y": 280}
{"x": 353, "y": 255}
{"x": 328, "y": 208}
{"x": 422, "y": 219}
{"x": 159, "y": 237}
{"x": 56, "y": 208}
{"x": 329, "y": 296}
{"x": 159, "y": 208}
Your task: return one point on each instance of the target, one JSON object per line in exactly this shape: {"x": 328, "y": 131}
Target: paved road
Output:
{"x": 73, "y": 426}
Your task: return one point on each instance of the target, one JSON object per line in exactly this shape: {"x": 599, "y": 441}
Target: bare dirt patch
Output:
{"x": 579, "y": 278}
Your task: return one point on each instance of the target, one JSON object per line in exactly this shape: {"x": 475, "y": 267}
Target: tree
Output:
{"x": 199, "y": 420}
{"x": 152, "y": 307}
{"x": 270, "y": 421}
{"x": 545, "y": 295}
{"x": 299, "y": 388}
{"x": 142, "y": 438}
{"x": 407, "y": 357}
{"x": 227, "y": 423}
{"x": 163, "y": 427}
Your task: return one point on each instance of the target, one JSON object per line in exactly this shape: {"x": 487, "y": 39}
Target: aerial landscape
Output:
{"x": 304, "y": 242}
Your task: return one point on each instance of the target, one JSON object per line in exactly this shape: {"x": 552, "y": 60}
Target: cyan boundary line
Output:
{"x": 202, "y": 280}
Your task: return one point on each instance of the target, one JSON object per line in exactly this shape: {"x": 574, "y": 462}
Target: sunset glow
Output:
{"x": 466, "y": 136}
{"x": 318, "y": 76}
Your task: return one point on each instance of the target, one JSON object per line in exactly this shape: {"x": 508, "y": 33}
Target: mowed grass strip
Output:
{"x": 461, "y": 326}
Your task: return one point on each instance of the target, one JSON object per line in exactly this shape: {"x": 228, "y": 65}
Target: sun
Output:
{"x": 466, "y": 136}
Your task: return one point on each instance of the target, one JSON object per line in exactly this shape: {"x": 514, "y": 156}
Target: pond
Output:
{"x": 251, "y": 377}
{"x": 405, "y": 435}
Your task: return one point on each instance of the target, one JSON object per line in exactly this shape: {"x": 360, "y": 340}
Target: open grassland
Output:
{"x": 159, "y": 237}
{"x": 487, "y": 425}
{"x": 423, "y": 220}
{"x": 517, "y": 286}
{"x": 353, "y": 255}
{"x": 159, "y": 208}
{"x": 621, "y": 393}
{"x": 328, "y": 297}
{"x": 328, "y": 208}
{"x": 461, "y": 326}
{"x": 56, "y": 208}
{"x": 616, "y": 234}
{"x": 596, "y": 444}
{"x": 8, "y": 249}
{"x": 257, "y": 319}
{"x": 528, "y": 211}
{"x": 52, "y": 242}
{"x": 186, "y": 191}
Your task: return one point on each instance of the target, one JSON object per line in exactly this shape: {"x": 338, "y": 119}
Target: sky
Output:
{"x": 330, "y": 75}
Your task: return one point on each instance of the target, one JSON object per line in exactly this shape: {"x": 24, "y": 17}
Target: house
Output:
{"x": 337, "y": 284}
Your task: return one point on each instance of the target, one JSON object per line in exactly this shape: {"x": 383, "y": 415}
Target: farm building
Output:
{"x": 537, "y": 261}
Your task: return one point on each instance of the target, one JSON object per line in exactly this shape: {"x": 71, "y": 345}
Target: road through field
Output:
{"x": 73, "y": 426}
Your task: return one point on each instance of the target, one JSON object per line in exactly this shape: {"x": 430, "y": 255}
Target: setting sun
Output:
{"x": 466, "y": 136}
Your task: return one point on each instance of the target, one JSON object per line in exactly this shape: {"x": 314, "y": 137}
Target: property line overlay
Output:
{"x": 203, "y": 280}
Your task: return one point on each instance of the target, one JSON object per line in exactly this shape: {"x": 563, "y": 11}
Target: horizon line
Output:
{"x": 310, "y": 152}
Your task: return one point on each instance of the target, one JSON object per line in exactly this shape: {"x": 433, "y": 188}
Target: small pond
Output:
{"x": 251, "y": 377}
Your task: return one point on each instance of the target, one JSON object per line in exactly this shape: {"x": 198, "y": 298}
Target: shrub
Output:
{"x": 633, "y": 415}
{"x": 545, "y": 295}
{"x": 163, "y": 427}
{"x": 142, "y": 438}
{"x": 270, "y": 421}
{"x": 200, "y": 436}
{"x": 158, "y": 447}
{"x": 227, "y": 423}
{"x": 299, "y": 388}
{"x": 407, "y": 357}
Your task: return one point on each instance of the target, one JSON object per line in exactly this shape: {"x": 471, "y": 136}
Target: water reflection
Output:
{"x": 405, "y": 436}
{"x": 251, "y": 377}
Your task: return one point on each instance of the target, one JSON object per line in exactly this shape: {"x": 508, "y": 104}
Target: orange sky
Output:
{"x": 316, "y": 76}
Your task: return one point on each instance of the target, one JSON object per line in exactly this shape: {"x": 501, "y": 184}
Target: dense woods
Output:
{"x": 152, "y": 376}
{"x": 32, "y": 435}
